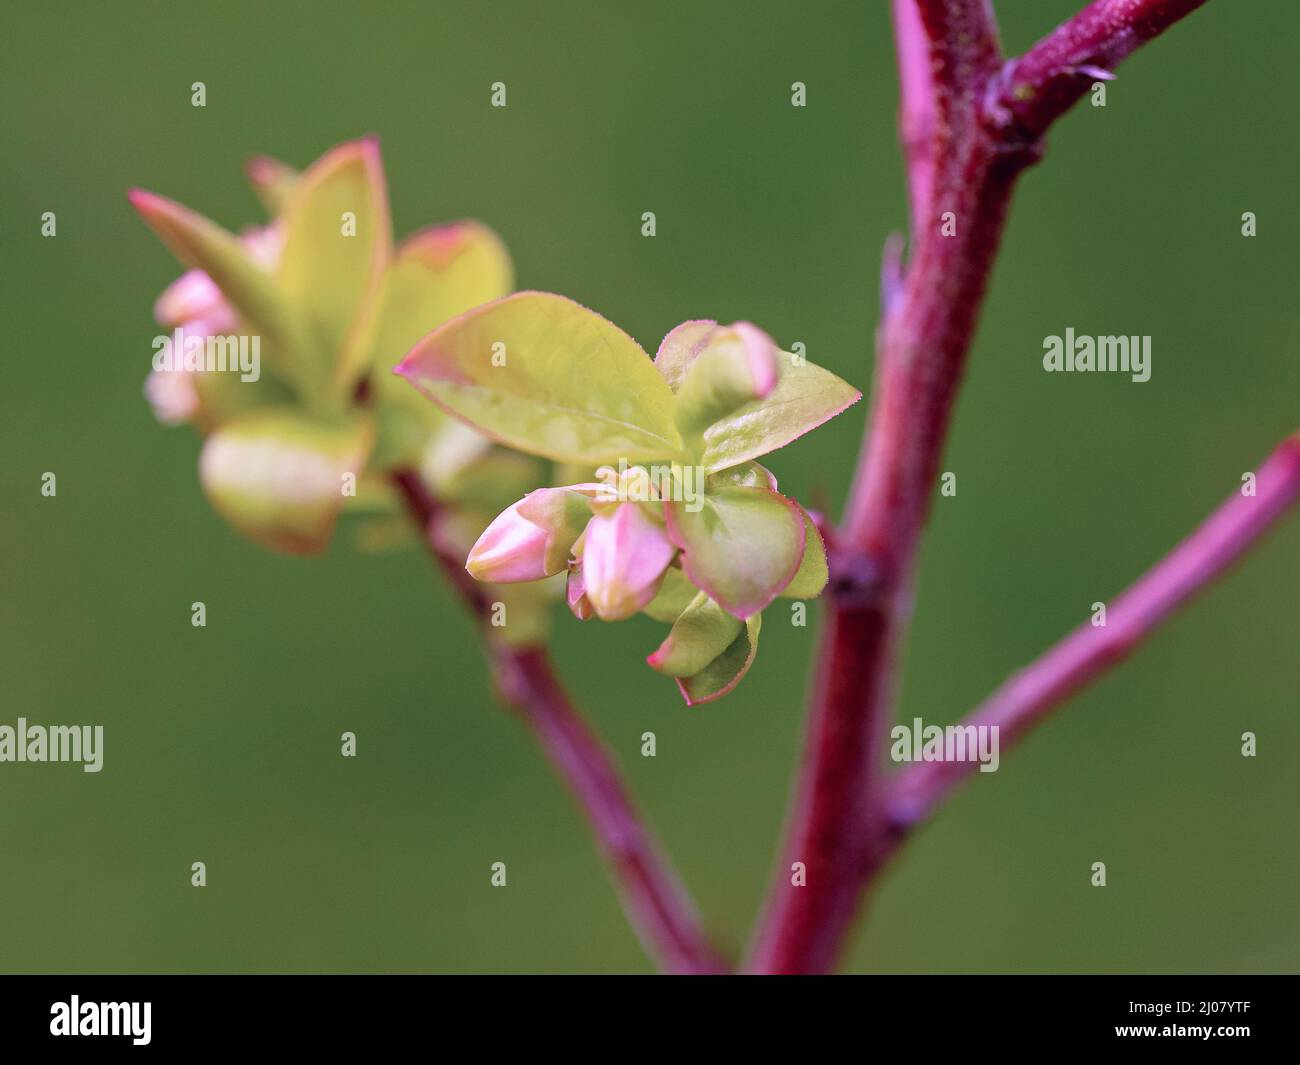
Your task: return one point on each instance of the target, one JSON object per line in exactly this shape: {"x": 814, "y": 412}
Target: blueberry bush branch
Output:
{"x": 921, "y": 344}
{"x": 653, "y": 899}
{"x": 1044, "y": 83}
{"x": 916, "y": 107}
{"x": 1031, "y": 694}
{"x": 970, "y": 124}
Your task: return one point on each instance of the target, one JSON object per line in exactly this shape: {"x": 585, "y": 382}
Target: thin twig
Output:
{"x": 915, "y": 107}
{"x": 1031, "y": 694}
{"x": 653, "y": 898}
{"x": 1045, "y": 82}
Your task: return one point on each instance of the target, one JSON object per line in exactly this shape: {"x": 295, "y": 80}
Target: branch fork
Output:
{"x": 970, "y": 123}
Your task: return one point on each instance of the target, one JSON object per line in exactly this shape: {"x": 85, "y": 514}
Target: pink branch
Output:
{"x": 915, "y": 107}
{"x": 1085, "y": 654}
{"x": 653, "y": 898}
{"x": 1047, "y": 80}
{"x": 970, "y": 145}
{"x": 922, "y": 345}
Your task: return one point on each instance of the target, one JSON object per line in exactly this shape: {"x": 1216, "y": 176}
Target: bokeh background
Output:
{"x": 222, "y": 744}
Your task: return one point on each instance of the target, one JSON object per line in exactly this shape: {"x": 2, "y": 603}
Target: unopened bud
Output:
{"x": 624, "y": 558}
{"x": 511, "y": 549}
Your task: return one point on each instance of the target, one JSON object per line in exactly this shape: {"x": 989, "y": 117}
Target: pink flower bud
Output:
{"x": 760, "y": 357}
{"x": 172, "y": 395}
{"x": 511, "y": 549}
{"x": 623, "y": 561}
{"x": 191, "y": 296}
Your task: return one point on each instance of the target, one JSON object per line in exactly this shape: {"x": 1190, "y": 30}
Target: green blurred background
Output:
{"x": 222, "y": 744}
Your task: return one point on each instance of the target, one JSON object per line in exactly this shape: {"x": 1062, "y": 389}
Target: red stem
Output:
{"x": 921, "y": 346}
{"x": 915, "y": 107}
{"x": 960, "y": 182}
{"x": 652, "y": 896}
{"x": 1028, "y": 696}
{"x": 1046, "y": 81}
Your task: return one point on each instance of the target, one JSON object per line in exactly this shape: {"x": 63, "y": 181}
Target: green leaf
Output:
{"x": 805, "y": 396}
{"x": 332, "y": 279}
{"x": 742, "y": 547}
{"x": 812, "y": 574}
{"x": 545, "y": 375}
{"x": 681, "y": 347}
{"x": 746, "y": 475}
{"x": 722, "y": 674}
{"x": 702, "y": 632}
{"x": 436, "y": 274}
{"x": 198, "y": 242}
{"x": 277, "y": 475}
{"x": 675, "y": 594}
{"x": 272, "y": 181}
{"x": 737, "y": 365}
{"x": 223, "y": 396}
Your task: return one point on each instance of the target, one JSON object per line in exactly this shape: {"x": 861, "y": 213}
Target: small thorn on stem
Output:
{"x": 891, "y": 272}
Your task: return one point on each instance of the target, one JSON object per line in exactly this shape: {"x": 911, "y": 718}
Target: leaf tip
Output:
{"x": 148, "y": 204}
{"x": 260, "y": 167}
